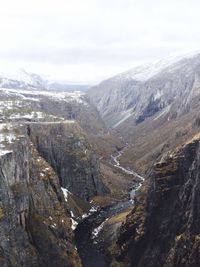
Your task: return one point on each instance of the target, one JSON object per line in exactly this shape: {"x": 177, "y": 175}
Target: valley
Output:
{"x": 90, "y": 246}
{"x": 103, "y": 178}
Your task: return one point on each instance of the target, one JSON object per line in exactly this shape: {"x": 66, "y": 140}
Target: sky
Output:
{"x": 86, "y": 41}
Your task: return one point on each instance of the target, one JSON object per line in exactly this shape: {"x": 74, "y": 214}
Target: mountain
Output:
{"x": 50, "y": 173}
{"x": 163, "y": 227}
{"x": 104, "y": 178}
{"x": 144, "y": 91}
{"x": 65, "y": 87}
{"x": 153, "y": 107}
{"x": 22, "y": 79}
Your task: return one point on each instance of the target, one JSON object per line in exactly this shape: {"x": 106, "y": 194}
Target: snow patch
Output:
{"x": 74, "y": 223}
{"x": 164, "y": 111}
{"x": 158, "y": 95}
{"x": 66, "y": 192}
{"x": 4, "y": 152}
{"x": 92, "y": 210}
{"x": 124, "y": 116}
{"x": 97, "y": 230}
{"x": 54, "y": 225}
{"x": 6, "y": 137}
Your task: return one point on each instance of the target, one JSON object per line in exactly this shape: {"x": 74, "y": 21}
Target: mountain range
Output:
{"x": 151, "y": 106}
{"x": 108, "y": 177}
{"x": 22, "y": 79}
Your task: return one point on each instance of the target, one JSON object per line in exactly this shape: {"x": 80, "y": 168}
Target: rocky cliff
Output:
{"x": 163, "y": 228}
{"x": 38, "y": 163}
{"x": 34, "y": 223}
{"x": 66, "y": 149}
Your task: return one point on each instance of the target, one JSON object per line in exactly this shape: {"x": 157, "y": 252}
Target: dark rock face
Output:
{"x": 35, "y": 226}
{"x": 152, "y": 108}
{"x": 164, "y": 227}
{"x": 66, "y": 149}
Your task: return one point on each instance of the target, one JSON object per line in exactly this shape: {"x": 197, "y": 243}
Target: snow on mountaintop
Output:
{"x": 23, "y": 77}
{"x": 19, "y": 75}
{"x": 147, "y": 71}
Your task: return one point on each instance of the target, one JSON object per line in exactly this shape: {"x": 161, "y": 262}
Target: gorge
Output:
{"x": 109, "y": 177}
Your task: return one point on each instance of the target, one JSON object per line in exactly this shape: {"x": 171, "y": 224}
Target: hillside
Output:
{"x": 100, "y": 179}
{"x": 163, "y": 227}
{"x": 153, "y": 107}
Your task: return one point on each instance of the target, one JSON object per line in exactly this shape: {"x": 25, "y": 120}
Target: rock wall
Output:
{"x": 67, "y": 150}
{"x": 163, "y": 230}
{"x": 35, "y": 225}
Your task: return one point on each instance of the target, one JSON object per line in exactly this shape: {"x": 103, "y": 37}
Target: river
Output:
{"x": 90, "y": 252}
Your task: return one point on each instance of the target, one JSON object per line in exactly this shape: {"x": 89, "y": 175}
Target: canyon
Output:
{"x": 109, "y": 177}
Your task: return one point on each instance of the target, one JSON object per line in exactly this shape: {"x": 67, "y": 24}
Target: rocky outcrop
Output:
{"x": 66, "y": 149}
{"x": 35, "y": 225}
{"x": 163, "y": 228}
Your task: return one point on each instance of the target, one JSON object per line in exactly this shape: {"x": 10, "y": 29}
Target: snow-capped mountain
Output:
{"x": 154, "y": 108}
{"x": 21, "y": 79}
{"x": 147, "y": 90}
{"x": 149, "y": 70}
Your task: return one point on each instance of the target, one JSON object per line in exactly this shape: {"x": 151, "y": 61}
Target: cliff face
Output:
{"x": 163, "y": 228}
{"x": 35, "y": 219}
{"x": 35, "y": 226}
{"x": 67, "y": 150}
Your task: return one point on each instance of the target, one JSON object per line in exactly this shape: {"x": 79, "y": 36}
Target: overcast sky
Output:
{"x": 85, "y": 41}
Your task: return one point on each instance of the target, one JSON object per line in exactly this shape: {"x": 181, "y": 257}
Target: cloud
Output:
{"x": 92, "y": 39}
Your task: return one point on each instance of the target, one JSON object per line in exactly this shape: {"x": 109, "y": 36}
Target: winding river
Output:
{"x": 90, "y": 251}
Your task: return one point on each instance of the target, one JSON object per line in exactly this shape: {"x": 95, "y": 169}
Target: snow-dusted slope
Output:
{"x": 23, "y": 105}
{"x": 154, "y": 108}
{"x": 21, "y": 79}
{"x": 149, "y": 70}
{"x": 147, "y": 91}
{"x": 23, "y": 76}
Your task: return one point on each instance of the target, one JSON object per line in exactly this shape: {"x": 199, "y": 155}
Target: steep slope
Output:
{"x": 48, "y": 171}
{"x": 152, "y": 107}
{"x": 17, "y": 104}
{"x": 35, "y": 222}
{"x": 20, "y": 106}
{"x": 67, "y": 150}
{"x": 163, "y": 228}
{"x": 145, "y": 91}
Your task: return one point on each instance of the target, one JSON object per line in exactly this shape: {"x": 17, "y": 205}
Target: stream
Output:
{"x": 89, "y": 248}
